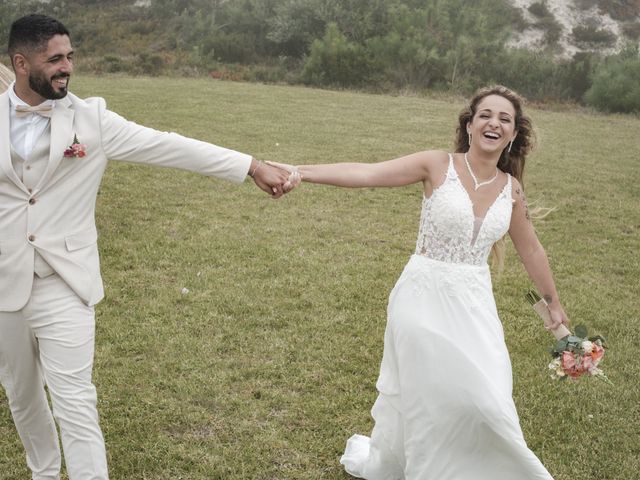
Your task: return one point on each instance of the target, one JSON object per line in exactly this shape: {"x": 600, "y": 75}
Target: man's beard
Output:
{"x": 43, "y": 87}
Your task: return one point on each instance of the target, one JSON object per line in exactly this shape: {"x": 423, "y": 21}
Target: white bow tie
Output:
{"x": 43, "y": 110}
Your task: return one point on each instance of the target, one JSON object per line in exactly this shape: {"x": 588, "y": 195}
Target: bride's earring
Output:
{"x": 510, "y": 145}
{"x": 469, "y": 133}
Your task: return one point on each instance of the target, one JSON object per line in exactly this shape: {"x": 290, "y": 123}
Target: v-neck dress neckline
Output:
{"x": 449, "y": 229}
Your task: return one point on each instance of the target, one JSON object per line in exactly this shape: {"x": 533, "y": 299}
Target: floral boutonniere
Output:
{"x": 76, "y": 149}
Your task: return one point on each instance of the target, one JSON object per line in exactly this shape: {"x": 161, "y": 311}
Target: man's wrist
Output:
{"x": 253, "y": 168}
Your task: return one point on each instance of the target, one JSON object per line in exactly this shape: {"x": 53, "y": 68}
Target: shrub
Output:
{"x": 632, "y": 30}
{"x": 590, "y": 35}
{"x": 539, "y": 9}
{"x": 405, "y": 60}
{"x": 541, "y": 80}
{"x": 229, "y": 47}
{"x": 615, "y": 85}
{"x": 149, "y": 64}
{"x": 552, "y": 29}
{"x": 578, "y": 74}
{"x": 234, "y": 73}
{"x": 335, "y": 60}
{"x": 546, "y": 21}
{"x": 273, "y": 73}
{"x": 112, "y": 64}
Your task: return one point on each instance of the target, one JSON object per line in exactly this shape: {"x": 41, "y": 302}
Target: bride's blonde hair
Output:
{"x": 511, "y": 160}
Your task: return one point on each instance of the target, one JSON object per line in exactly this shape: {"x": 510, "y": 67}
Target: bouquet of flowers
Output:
{"x": 575, "y": 354}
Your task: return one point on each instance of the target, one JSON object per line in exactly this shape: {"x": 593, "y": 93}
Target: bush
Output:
{"x": 275, "y": 72}
{"x": 234, "y": 47}
{"x": 615, "y": 85}
{"x": 632, "y": 30}
{"x": 578, "y": 74}
{"x": 539, "y": 9}
{"x": 405, "y": 61}
{"x": 552, "y": 29}
{"x": 335, "y": 60}
{"x": 112, "y": 64}
{"x": 590, "y": 36}
{"x": 149, "y": 64}
{"x": 541, "y": 80}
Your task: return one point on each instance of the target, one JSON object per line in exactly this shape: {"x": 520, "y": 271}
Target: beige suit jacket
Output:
{"x": 57, "y": 218}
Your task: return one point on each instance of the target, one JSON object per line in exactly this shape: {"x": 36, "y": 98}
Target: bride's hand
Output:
{"x": 557, "y": 318}
{"x": 294, "y": 175}
{"x": 558, "y": 323}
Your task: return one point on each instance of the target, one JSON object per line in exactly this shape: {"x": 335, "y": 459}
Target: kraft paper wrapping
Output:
{"x": 542, "y": 309}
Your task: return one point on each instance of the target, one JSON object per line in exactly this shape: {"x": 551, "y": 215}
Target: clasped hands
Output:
{"x": 275, "y": 178}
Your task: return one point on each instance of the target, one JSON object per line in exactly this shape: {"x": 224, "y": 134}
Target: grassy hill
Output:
{"x": 268, "y": 363}
{"x": 582, "y": 51}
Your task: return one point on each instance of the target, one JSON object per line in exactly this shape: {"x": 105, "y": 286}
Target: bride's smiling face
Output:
{"x": 493, "y": 124}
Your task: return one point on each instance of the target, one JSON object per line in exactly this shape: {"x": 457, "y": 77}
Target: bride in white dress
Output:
{"x": 445, "y": 409}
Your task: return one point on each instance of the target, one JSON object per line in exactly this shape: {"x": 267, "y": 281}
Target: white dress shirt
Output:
{"x": 25, "y": 130}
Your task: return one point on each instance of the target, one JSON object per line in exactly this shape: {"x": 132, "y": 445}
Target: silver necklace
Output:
{"x": 477, "y": 185}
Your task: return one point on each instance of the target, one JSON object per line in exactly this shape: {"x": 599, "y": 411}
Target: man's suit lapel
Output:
{"x": 61, "y": 137}
{"x": 5, "y": 143}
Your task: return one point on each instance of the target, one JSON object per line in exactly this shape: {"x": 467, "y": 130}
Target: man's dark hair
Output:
{"x": 32, "y": 33}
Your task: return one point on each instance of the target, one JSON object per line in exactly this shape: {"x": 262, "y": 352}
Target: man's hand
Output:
{"x": 268, "y": 178}
{"x": 294, "y": 179}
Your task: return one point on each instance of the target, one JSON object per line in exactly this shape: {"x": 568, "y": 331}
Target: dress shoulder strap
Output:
{"x": 451, "y": 171}
{"x": 508, "y": 188}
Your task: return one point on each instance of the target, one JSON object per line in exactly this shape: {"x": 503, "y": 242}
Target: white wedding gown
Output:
{"x": 445, "y": 409}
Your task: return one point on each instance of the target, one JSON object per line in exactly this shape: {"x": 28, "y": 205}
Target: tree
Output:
{"x": 615, "y": 85}
{"x": 334, "y": 60}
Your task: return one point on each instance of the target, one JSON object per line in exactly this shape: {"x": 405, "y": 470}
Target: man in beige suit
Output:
{"x": 54, "y": 148}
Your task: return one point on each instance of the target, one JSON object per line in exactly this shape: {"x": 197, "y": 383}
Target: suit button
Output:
{"x": 32, "y": 238}
{"x": 30, "y": 190}
{"x": 32, "y": 201}
{"x": 28, "y": 167}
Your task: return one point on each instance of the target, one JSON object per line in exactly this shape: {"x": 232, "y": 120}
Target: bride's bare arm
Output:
{"x": 533, "y": 256}
{"x": 391, "y": 173}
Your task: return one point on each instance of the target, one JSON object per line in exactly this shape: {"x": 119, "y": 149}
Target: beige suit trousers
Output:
{"x": 50, "y": 341}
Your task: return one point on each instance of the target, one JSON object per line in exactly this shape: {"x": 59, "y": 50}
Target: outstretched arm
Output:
{"x": 391, "y": 173}
{"x": 534, "y": 258}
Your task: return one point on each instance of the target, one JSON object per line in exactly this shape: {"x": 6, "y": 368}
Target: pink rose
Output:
{"x": 597, "y": 353}
{"x": 76, "y": 150}
{"x": 568, "y": 361}
{"x": 588, "y": 363}
{"x": 570, "y": 366}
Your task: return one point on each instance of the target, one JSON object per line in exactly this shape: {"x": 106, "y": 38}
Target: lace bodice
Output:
{"x": 449, "y": 230}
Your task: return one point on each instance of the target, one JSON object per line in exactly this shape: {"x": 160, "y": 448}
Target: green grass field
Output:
{"x": 268, "y": 364}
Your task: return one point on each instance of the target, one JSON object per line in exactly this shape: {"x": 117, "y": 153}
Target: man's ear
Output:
{"x": 20, "y": 64}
